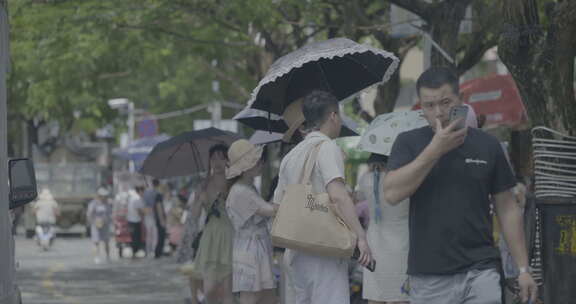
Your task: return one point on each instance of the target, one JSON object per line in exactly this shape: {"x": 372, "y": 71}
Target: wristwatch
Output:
{"x": 522, "y": 270}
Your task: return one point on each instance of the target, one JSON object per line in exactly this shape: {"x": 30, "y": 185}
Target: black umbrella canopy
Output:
{"x": 340, "y": 66}
{"x": 261, "y": 120}
{"x": 185, "y": 154}
{"x": 266, "y": 121}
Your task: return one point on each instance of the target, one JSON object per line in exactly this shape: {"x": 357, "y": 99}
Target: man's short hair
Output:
{"x": 435, "y": 77}
{"x": 316, "y": 106}
{"x": 155, "y": 183}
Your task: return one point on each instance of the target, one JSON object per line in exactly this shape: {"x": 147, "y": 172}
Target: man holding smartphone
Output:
{"x": 451, "y": 175}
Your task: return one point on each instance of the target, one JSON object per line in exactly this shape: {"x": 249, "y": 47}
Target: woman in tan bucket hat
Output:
{"x": 252, "y": 274}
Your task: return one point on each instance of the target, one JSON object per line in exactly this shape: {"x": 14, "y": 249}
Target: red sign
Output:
{"x": 496, "y": 97}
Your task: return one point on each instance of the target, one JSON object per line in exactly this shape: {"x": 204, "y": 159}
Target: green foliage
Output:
{"x": 71, "y": 56}
{"x": 74, "y": 55}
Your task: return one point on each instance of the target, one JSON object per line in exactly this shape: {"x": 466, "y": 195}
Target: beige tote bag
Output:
{"x": 309, "y": 222}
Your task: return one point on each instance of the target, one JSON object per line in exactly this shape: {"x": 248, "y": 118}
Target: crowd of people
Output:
{"x": 423, "y": 214}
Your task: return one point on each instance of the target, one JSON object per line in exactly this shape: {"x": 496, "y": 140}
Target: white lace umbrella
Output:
{"x": 340, "y": 66}
{"x": 382, "y": 132}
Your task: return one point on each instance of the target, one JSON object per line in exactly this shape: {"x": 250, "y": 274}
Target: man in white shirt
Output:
{"x": 134, "y": 216}
{"x": 318, "y": 279}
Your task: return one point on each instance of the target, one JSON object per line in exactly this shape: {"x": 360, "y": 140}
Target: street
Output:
{"x": 67, "y": 274}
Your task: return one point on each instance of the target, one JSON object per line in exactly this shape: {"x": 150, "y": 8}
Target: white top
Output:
{"x": 135, "y": 202}
{"x": 46, "y": 211}
{"x": 242, "y": 204}
{"x": 329, "y": 166}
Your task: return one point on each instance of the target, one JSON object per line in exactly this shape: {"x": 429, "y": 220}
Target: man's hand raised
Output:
{"x": 447, "y": 138}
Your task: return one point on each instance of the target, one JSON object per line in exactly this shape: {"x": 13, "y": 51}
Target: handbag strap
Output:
{"x": 309, "y": 164}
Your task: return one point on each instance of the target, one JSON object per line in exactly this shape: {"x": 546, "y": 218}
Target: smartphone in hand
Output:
{"x": 457, "y": 112}
{"x": 356, "y": 256}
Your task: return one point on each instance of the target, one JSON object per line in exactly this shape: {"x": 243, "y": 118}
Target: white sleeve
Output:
{"x": 330, "y": 162}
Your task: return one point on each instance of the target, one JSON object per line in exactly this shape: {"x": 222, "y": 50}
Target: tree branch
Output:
{"x": 180, "y": 36}
{"x": 228, "y": 78}
{"x": 213, "y": 15}
{"x": 114, "y": 74}
{"x": 417, "y": 7}
{"x": 271, "y": 45}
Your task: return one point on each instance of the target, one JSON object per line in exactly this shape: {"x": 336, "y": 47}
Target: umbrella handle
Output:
{"x": 196, "y": 156}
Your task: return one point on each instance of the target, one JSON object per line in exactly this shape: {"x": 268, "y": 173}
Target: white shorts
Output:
{"x": 312, "y": 279}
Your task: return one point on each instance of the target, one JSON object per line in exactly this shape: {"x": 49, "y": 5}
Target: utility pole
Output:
{"x": 8, "y": 290}
{"x": 119, "y": 103}
{"x": 131, "y": 127}
{"x": 216, "y": 111}
{"x": 216, "y": 107}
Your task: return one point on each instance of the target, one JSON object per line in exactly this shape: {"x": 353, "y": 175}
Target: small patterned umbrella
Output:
{"x": 382, "y": 132}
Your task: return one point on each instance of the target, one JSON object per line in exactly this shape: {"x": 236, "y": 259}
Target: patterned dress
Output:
{"x": 252, "y": 247}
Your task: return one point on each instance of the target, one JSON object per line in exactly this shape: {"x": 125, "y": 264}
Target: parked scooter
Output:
{"x": 45, "y": 235}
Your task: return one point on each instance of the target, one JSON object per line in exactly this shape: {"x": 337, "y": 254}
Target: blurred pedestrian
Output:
{"x": 186, "y": 252}
{"x": 151, "y": 196}
{"x": 46, "y": 209}
{"x": 46, "y": 212}
{"x": 119, "y": 213}
{"x": 387, "y": 236}
{"x": 134, "y": 216}
{"x": 175, "y": 223}
{"x": 99, "y": 217}
{"x": 160, "y": 220}
{"x": 451, "y": 176}
{"x": 320, "y": 279}
{"x": 253, "y": 278}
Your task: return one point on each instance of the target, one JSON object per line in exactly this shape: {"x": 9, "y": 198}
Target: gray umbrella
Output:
{"x": 185, "y": 154}
{"x": 340, "y": 66}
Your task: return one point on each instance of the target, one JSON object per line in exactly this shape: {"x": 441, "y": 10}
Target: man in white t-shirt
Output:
{"x": 134, "y": 217}
{"x": 318, "y": 279}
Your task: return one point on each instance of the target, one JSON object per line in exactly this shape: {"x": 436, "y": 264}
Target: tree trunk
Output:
{"x": 521, "y": 153}
{"x": 541, "y": 60}
{"x": 387, "y": 94}
{"x": 444, "y": 26}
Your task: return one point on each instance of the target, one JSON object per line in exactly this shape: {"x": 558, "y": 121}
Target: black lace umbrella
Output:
{"x": 340, "y": 66}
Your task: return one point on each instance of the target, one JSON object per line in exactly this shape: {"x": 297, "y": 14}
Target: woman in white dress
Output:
{"x": 387, "y": 236}
{"x": 252, "y": 276}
